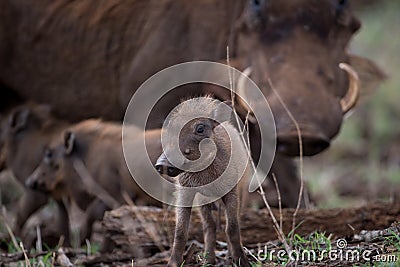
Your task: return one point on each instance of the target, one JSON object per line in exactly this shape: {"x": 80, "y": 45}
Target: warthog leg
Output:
{"x": 231, "y": 201}
{"x": 181, "y": 236}
{"x": 209, "y": 230}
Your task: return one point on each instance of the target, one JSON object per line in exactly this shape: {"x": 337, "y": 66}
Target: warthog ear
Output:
{"x": 253, "y": 17}
{"x": 69, "y": 141}
{"x": 371, "y": 75}
{"x": 222, "y": 113}
{"x": 243, "y": 91}
{"x": 18, "y": 119}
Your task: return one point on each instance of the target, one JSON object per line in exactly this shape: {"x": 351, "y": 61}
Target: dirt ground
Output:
{"x": 141, "y": 236}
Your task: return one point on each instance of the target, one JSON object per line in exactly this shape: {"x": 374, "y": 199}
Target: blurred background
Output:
{"x": 363, "y": 163}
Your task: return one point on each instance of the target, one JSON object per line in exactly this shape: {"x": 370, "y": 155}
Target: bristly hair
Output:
{"x": 202, "y": 106}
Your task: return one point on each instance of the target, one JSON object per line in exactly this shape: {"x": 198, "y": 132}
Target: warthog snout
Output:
{"x": 164, "y": 167}
{"x": 34, "y": 183}
{"x": 313, "y": 143}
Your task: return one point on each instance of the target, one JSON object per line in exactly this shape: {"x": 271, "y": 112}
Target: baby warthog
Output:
{"x": 202, "y": 143}
{"x": 86, "y": 165}
{"x": 25, "y": 133}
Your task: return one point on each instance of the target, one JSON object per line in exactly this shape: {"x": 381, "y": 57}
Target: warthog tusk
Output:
{"x": 353, "y": 92}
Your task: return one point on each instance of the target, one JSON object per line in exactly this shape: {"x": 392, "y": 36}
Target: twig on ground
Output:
{"x": 88, "y": 247}
{"x": 62, "y": 259}
{"x": 307, "y": 201}
{"x": 351, "y": 227}
{"x": 189, "y": 252}
{"x": 39, "y": 246}
{"x": 13, "y": 239}
{"x": 232, "y": 90}
{"x": 60, "y": 241}
{"x": 93, "y": 185}
{"x": 248, "y": 251}
{"x": 27, "y": 262}
{"x": 369, "y": 236}
{"x": 279, "y": 199}
{"x": 3, "y": 218}
{"x": 53, "y": 259}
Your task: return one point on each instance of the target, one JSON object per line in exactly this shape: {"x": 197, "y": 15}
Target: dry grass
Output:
{"x": 301, "y": 164}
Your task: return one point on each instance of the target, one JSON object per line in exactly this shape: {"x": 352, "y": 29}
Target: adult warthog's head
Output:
{"x": 300, "y": 47}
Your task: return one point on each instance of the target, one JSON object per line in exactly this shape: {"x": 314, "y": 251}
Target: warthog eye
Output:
{"x": 47, "y": 156}
{"x": 47, "y": 153}
{"x": 200, "y": 128}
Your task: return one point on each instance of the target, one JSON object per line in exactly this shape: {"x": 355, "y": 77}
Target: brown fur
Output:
{"x": 189, "y": 141}
{"x": 102, "y": 46}
{"x": 94, "y": 44}
{"x": 98, "y": 145}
